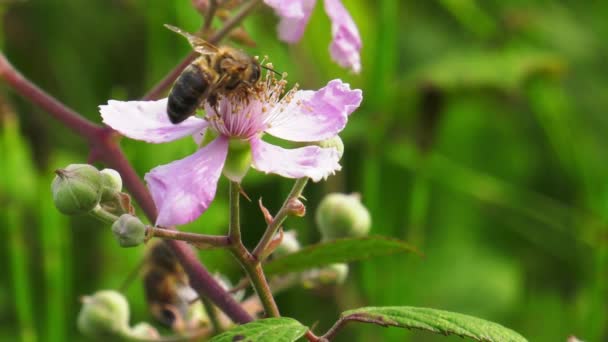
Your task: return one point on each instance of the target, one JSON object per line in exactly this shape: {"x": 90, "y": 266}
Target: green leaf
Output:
{"x": 337, "y": 251}
{"x": 265, "y": 330}
{"x": 437, "y": 321}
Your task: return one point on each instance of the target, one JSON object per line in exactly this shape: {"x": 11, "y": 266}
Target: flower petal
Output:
{"x": 315, "y": 115}
{"x": 294, "y": 17}
{"x": 183, "y": 189}
{"x": 310, "y": 161}
{"x": 346, "y": 42}
{"x": 147, "y": 121}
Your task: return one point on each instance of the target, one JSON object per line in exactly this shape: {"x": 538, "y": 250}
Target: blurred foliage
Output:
{"x": 481, "y": 141}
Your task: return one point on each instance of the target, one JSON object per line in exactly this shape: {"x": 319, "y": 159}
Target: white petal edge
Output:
{"x": 311, "y": 161}
{"x": 184, "y": 189}
{"x": 314, "y": 115}
{"x": 147, "y": 121}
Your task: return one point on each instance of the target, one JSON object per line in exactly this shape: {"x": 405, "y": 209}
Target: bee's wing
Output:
{"x": 198, "y": 44}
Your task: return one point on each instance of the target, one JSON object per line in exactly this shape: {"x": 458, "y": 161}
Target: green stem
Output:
{"x": 201, "y": 240}
{"x": 250, "y": 264}
{"x": 235, "y": 224}
{"x": 103, "y": 215}
{"x": 277, "y": 221}
{"x": 212, "y": 314}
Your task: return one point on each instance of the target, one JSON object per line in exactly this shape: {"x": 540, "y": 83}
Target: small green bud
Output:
{"x": 288, "y": 245}
{"x": 335, "y": 142}
{"x": 77, "y": 189}
{"x": 104, "y": 314}
{"x": 342, "y": 216}
{"x": 238, "y": 160}
{"x": 333, "y": 274}
{"x": 112, "y": 184}
{"x": 129, "y": 231}
{"x": 144, "y": 330}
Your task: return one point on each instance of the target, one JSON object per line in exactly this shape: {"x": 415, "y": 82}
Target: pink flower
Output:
{"x": 346, "y": 42}
{"x": 183, "y": 190}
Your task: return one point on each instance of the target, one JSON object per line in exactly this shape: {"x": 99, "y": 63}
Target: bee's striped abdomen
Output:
{"x": 187, "y": 93}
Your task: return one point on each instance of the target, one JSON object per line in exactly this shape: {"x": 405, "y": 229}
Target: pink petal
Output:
{"x": 346, "y": 42}
{"x": 315, "y": 115}
{"x": 147, "y": 121}
{"x": 310, "y": 161}
{"x": 294, "y": 17}
{"x": 183, "y": 189}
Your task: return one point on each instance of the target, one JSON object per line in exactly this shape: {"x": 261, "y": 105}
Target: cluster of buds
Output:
{"x": 81, "y": 189}
{"x": 105, "y": 314}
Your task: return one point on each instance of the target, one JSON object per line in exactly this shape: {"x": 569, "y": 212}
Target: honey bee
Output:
{"x": 167, "y": 289}
{"x": 218, "y": 71}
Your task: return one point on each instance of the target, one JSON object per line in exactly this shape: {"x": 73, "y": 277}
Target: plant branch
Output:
{"x": 235, "y": 220}
{"x": 197, "y": 239}
{"x": 210, "y": 14}
{"x": 331, "y": 333}
{"x": 230, "y": 24}
{"x": 106, "y": 149}
{"x": 252, "y": 266}
{"x": 37, "y": 96}
{"x": 277, "y": 221}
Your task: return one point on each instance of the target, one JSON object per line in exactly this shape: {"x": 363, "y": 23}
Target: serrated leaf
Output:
{"x": 337, "y": 251}
{"x": 264, "y": 330}
{"x": 437, "y": 321}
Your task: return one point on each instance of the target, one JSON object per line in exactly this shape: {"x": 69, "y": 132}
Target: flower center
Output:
{"x": 248, "y": 111}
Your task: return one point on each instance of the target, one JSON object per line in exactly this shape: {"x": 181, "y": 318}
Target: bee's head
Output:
{"x": 242, "y": 68}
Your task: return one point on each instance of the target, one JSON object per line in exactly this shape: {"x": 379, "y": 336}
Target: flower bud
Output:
{"x": 342, "y": 216}
{"x": 112, "y": 184}
{"x": 129, "y": 231}
{"x": 144, "y": 331}
{"x": 295, "y": 207}
{"x": 333, "y": 274}
{"x": 104, "y": 314}
{"x": 335, "y": 142}
{"x": 77, "y": 189}
{"x": 288, "y": 245}
{"x": 238, "y": 160}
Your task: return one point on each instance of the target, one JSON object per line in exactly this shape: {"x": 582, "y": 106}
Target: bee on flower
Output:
{"x": 183, "y": 190}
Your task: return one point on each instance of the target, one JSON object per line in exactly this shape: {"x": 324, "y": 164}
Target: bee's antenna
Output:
{"x": 271, "y": 69}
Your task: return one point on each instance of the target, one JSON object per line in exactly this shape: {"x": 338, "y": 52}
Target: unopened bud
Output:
{"x": 342, "y": 216}
{"x": 144, "y": 330}
{"x": 288, "y": 245}
{"x": 104, "y": 314}
{"x": 129, "y": 231}
{"x": 335, "y": 142}
{"x": 112, "y": 184}
{"x": 333, "y": 274}
{"x": 77, "y": 189}
{"x": 295, "y": 207}
{"x": 238, "y": 160}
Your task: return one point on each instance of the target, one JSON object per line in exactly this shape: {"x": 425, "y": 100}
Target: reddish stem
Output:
{"x": 105, "y": 148}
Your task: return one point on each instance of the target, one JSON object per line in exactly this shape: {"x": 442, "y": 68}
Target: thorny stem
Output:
{"x": 273, "y": 226}
{"x": 230, "y": 24}
{"x": 251, "y": 265}
{"x": 200, "y": 240}
{"x": 105, "y": 148}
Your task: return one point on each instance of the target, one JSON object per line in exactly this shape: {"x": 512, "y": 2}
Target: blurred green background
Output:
{"x": 480, "y": 140}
